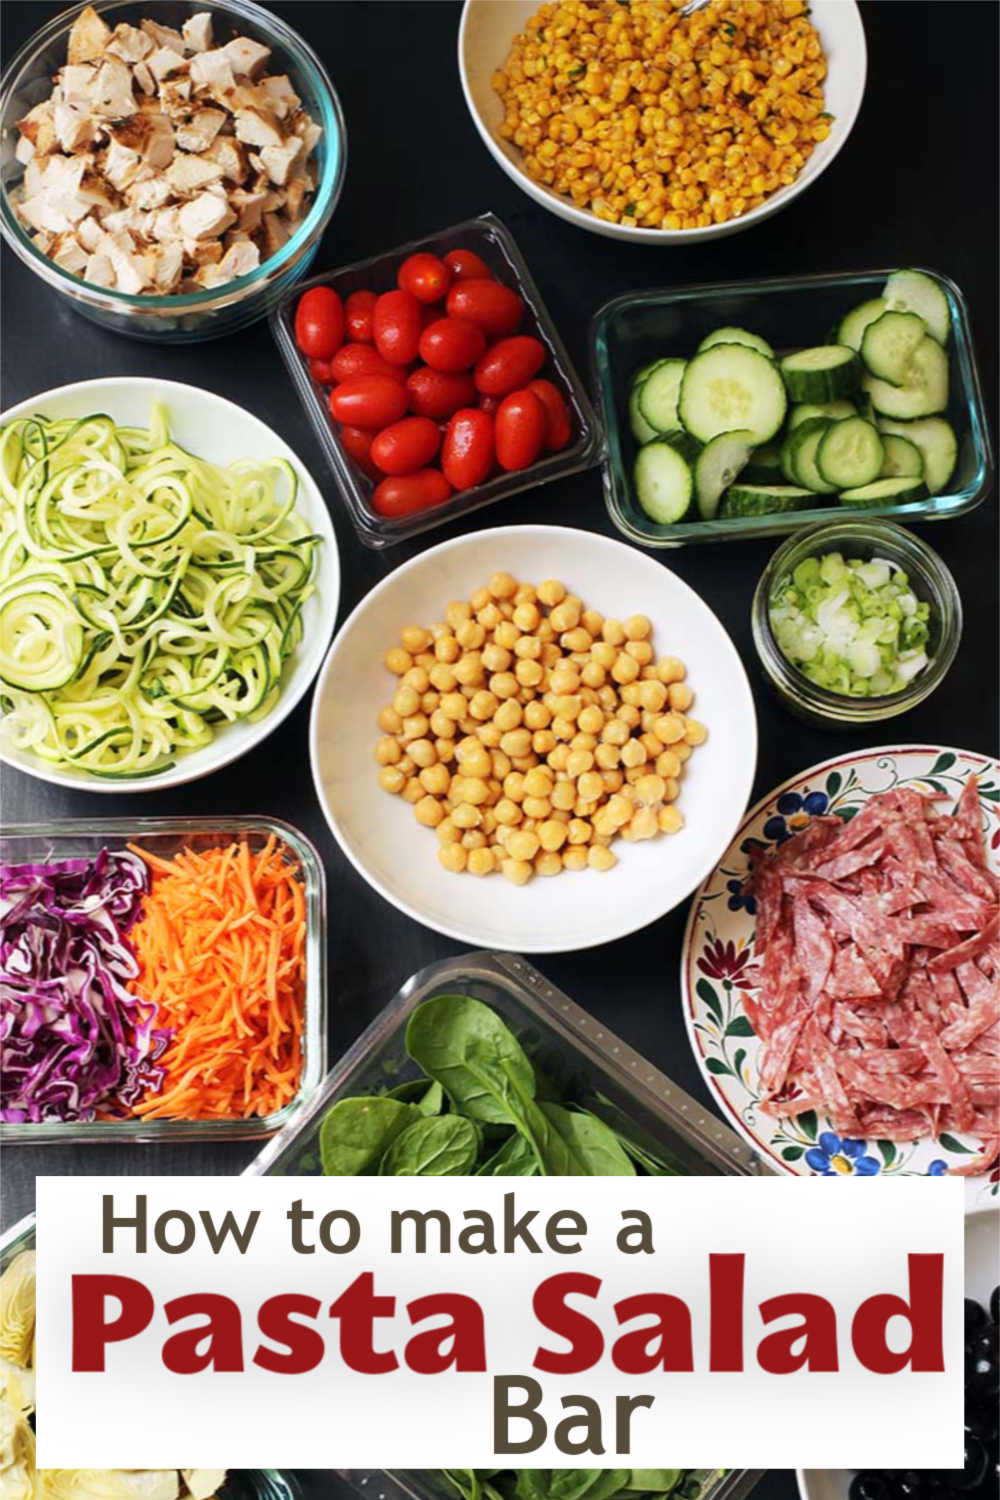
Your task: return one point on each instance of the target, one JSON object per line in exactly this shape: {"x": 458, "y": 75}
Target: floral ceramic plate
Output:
{"x": 718, "y": 968}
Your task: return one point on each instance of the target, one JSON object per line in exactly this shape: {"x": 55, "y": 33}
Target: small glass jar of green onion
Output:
{"x": 855, "y": 621}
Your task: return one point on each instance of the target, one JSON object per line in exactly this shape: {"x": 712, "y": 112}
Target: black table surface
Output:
{"x": 910, "y": 187}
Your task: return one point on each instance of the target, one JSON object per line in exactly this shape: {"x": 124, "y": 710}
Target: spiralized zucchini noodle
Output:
{"x": 147, "y": 596}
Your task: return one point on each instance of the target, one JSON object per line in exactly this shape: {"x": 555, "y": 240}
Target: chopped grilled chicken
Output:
{"x": 163, "y": 161}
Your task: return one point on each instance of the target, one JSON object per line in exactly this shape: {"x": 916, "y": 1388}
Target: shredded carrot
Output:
{"x": 221, "y": 950}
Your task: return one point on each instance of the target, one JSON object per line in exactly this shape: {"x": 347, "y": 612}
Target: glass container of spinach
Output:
{"x": 554, "y": 1484}
{"x": 479, "y": 1065}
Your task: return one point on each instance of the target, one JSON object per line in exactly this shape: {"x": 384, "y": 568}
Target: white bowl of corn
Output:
{"x": 634, "y": 121}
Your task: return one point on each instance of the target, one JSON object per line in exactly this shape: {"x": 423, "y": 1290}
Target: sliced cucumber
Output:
{"x": 924, "y": 391}
{"x": 764, "y": 465}
{"x": 687, "y": 446}
{"x": 914, "y": 291}
{"x": 658, "y": 395}
{"x": 731, "y": 388}
{"x": 834, "y": 410}
{"x": 889, "y": 344}
{"x": 799, "y": 456}
{"x": 641, "y": 430}
{"x": 823, "y": 373}
{"x": 885, "y": 492}
{"x": 764, "y": 499}
{"x": 850, "y": 329}
{"x": 717, "y": 465}
{"x": 850, "y": 453}
{"x": 644, "y": 370}
{"x": 736, "y": 336}
{"x": 664, "y": 483}
{"x": 937, "y": 443}
{"x": 903, "y": 459}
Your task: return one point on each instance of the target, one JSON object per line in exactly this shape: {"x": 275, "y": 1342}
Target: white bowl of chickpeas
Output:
{"x": 533, "y": 738}
{"x": 636, "y": 122}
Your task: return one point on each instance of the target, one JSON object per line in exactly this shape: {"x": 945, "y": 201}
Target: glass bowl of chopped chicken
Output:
{"x": 167, "y": 167}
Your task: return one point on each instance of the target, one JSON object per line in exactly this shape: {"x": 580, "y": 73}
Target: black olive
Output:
{"x": 975, "y": 1318}
{"x": 973, "y": 1471}
{"x": 908, "y": 1484}
{"x": 868, "y": 1485}
{"x": 995, "y": 1304}
{"x": 982, "y": 1370}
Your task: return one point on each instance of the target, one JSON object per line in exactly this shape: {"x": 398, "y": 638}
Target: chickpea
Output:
{"x": 624, "y": 669}
{"x": 507, "y": 812}
{"x": 441, "y": 726}
{"x": 513, "y": 786}
{"x": 469, "y": 671}
{"x": 516, "y": 742}
{"x": 538, "y": 782}
{"x": 604, "y": 652}
{"x": 445, "y": 749}
{"x": 565, "y": 616}
{"x": 522, "y": 844}
{"x": 415, "y": 638}
{"x": 413, "y": 791}
{"x": 435, "y": 779}
{"x": 591, "y": 719}
{"x": 502, "y": 586}
{"x": 389, "y": 721}
{"x": 680, "y": 697}
{"x": 453, "y": 857}
{"x": 638, "y": 628}
{"x": 443, "y": 678}
{"x": 564, "y": 680}
{"x": 563, "y": 796}
{"x": 613, "y": 632}
{"x": 668, "y": 764}
{"x": 391, "y": 779}
{"x": 643, "y": 825}
{"x": 489, "y": 617}
{"x": 481, "y": 862}
{"x": 417, "y": 679}
{"x": 578, "y": 831}
{"x": 650, "y": 744}
{"x": 483, "y": 705}
{"x": 474, "y": 839}
{"x": 529, "y": 673}
{"x": 464, "y": 815}
{"x": 479, "y": 599}
{"x": 607, "y": 757}
{"x": 428, "y": 811}
{"x": 551, "y": 592}
{"x": 639, "y": 651}
{"x": 526, "y": 617}
{"x": 506, "y": 635}
{"x": 558, "y": 757}
{"x": 652, "y": 696}
{"x": 538, "y": 808}
{"x": 576, "y": 640}
{"x": 422, "y": 753}
{"x": 453, "y": 706}
{"x": 669, "y": 728}
{"x": 695, "y": 733}
{"x": 536, "y": 715}
{"x": 525, "y": 593}
{"x": 579, "y": 762}
{"x": 457, "y": 613}
{"x": 490, "y": 735}
{"x": 397, "y": 660}
{"x": 406, "y": 766}
{"x": 669, "y": 669}
{"x": 613, "y": 780}
{"x": 548, "y": 864}
{"x": 387, "y": 752}
{"x": 634, "y": 754}
{"x": 592, "y": 674}
{"x": 504, "y": 685}
{"x": 474, "y": 758}
{"x": 517, "y": 871}
{"x": 671, "y": 789}
{"x": 499, "y": 764}
{"x": 495, "y": 658}
{"x": 446, "y": 832}
{"x": 682, "y": 750}
{"x": 670, "y": 819}
{"x": 406, "y": 701}
{"x": 574, "y": 859}
{"x": 600, "y": 858}
{"x": 649, "y": 789}
{"x": 528, "y": 648}
{"x": 552, "y": 834}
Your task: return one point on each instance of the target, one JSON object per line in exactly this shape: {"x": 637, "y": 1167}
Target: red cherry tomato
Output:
{"x": 353, "y": 360}
{"x": 320, "y": 371}
{"x": 397, "y": 323}
{"x": 358, "y": 313}
{"x": 437, "y": 393}
{"x": 508, "y": 365}
{"x": 451, "y": 345}
{"x": 406, "y": 446}
{"x": 403, "y": 494}
{"x": 369, "y": 401}
{"x": 490, "y": 404}
{"x": 427, "y": 277}
{"x": 494, "y": 308}
{"x": 467, "y": 452}
{"x": 319, "y": 323}
{"x": 558, "y": 426}
{"x": 357, "y": 444}
{"x": 464, "y": 264}
{"x": 520, "y": 430}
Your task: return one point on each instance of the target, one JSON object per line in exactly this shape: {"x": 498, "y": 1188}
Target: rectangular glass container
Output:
{"x": 587, "y": 1061}
{"x": 493, "y": 242}
{"x": 424, "y": 1484}
{"x": 241, "y": 1484}
{"x": 790, "y": 312}
{"x": 35, "y": 842}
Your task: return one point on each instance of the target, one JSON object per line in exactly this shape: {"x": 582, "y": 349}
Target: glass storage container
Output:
{"x": 586, "y": 1060}
{"x": 493, "y": 243}
{"x": 789, "y": 312}
{"x": 241, "y": 1484}
{"x": 34, "y": 842}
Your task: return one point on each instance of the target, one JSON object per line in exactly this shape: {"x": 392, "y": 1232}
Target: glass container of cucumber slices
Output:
{"x": 756, "y": 408}
{"x": 864, "y": 583}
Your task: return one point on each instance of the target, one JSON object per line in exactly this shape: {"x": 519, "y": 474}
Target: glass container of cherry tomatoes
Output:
{"x": 486, "y": 244}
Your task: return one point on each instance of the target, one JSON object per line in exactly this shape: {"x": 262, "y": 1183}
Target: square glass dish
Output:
{"x": 789, "y": 312}
{"x": 587, "y": 1062}
{"x": 493, "y": 243}
{"x": 426, "y": 1484}
{"x": 36, "y": 842}
{"x": 241, "y": 1484}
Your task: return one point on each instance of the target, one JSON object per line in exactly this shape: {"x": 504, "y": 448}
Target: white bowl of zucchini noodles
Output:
{"x": 169, "y": 582}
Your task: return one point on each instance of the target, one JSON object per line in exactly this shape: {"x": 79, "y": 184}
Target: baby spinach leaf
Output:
{"x": 355, "y": 1133}
{"x": 594, "y": 1145}
{"x": 515, "y": 1158}
{"x": 433, "y": 1146}
{"x": 469, "y": 1050}
{"x": 655, "y": 1481}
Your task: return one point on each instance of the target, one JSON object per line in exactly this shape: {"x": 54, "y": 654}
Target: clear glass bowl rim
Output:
{"x": 58, "y": 1132}
{"x": 324, "y": 200}
{"x": 894, "y": 542}
{"x": 612, "y": 463}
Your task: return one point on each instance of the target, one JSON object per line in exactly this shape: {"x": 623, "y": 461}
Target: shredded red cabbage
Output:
{"x": 74, "y": 1042}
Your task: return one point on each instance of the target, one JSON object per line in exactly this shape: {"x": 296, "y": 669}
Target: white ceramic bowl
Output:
{"x": 217, "y": 430}
{"x": 489, "y": 26}
{"x": 379, "y": 834}
{"x": 982, "y": 1236}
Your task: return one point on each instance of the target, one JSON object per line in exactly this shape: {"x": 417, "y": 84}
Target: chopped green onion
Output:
{"x": 852, "y": 627}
